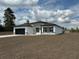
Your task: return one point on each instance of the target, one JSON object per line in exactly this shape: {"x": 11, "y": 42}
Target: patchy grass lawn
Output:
{"x": 40, "y": 47}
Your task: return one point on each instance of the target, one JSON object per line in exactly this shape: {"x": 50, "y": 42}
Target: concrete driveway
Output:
{"x": 4, "y": 36}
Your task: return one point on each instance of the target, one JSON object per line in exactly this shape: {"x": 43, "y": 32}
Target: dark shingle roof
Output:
{"x": 24, "y": 25}
{"x": 45, "y": 24}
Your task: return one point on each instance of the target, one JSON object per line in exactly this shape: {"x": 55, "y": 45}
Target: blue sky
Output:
{"x": 62, "y": 12}
{"x": 63, "y": 4}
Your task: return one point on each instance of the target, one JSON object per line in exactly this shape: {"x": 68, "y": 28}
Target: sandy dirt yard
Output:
{"x": 6, "y": 33}
{"x": 40, "y": 47}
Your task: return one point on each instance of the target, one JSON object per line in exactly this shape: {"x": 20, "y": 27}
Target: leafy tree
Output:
{"x": 9, "y": 18}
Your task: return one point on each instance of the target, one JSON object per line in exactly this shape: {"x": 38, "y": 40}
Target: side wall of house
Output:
{"x": 58, "y": 30}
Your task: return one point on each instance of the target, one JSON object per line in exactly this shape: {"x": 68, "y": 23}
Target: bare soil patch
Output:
{"x": 6, "y": 33}
{"x": 40, "y": 47}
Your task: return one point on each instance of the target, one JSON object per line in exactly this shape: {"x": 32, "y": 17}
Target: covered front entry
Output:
{"x": 45, "y": 30}
{"x": 20, "y": 31}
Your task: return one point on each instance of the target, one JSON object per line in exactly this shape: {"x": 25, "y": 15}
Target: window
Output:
{"x": 50, "y": 29}
{"x": 44, "y": 29}
{"x": 37, "y": 29}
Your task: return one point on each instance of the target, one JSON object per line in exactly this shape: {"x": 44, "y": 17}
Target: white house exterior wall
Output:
{"x": 58, "y": 30}
{"x": 32, "y": 30}
{"x": 28, "y": 30}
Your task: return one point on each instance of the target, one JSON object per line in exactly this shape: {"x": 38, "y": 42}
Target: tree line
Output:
{"x": 72, "y": 29}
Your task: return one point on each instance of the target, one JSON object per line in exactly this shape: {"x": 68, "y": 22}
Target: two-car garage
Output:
{"x": 23, "y": 30}
{"x": 20, "y": 31}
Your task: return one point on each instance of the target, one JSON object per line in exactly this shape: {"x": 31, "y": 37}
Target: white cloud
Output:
{"x": 21, "y": 20}
{"x": 64, "y": 20}
{"x": 40, "y": 13}
{"x": 50, "y": 15}
{"x": 44, "y": 13}
{"x": 2, "y": 14}
{"x": 61, "y": 16}
{"x": 12, "y": 2}
{"x": 75, "y": 22}
{"x": 75, "y": 9}
{"x": 31, "y": 2}
{"x": 19, "y": 2}
{"x": 37, "y": 13}
{"x": 64, "y": 15}
{"x": 50, "y": 1}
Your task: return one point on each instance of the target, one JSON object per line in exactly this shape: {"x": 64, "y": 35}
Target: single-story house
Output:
{"x": 38, "y": 28}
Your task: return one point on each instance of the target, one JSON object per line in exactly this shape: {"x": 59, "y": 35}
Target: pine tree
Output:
{"x": 9, "y": 18}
